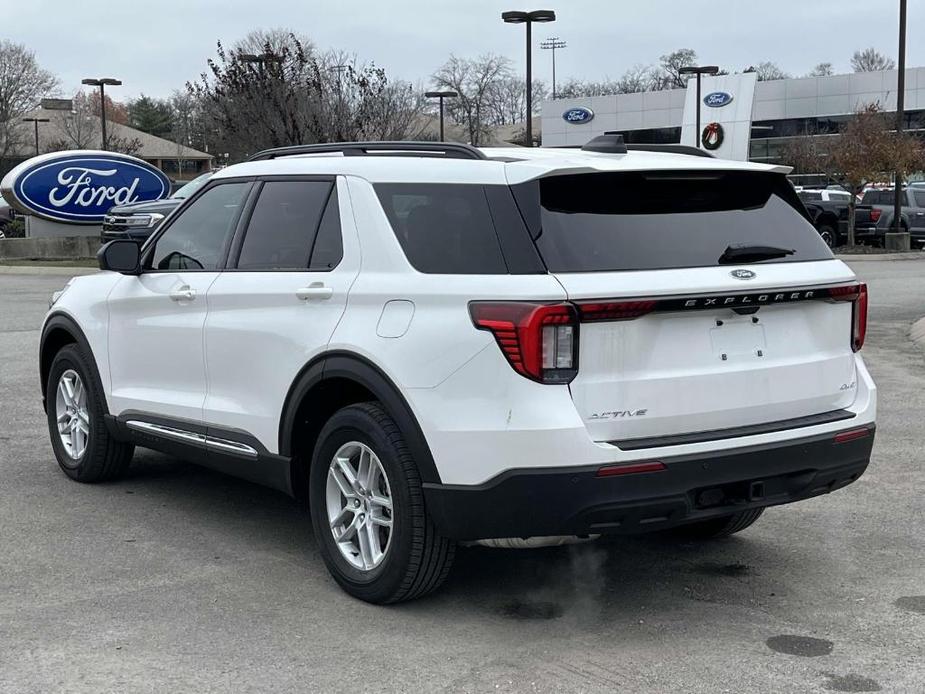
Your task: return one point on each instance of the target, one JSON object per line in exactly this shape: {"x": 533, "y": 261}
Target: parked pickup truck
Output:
{"x": 913, "y": 211}
{"x": 829, "y": 211}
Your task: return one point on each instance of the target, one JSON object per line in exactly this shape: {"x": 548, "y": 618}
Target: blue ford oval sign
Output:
{"x": 80, "y": 186}
{"x": 578, "y": 115}
{"x": 717, "y": 99}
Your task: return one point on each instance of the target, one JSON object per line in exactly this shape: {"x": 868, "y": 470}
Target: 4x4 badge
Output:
{"x": 743, "y": 274}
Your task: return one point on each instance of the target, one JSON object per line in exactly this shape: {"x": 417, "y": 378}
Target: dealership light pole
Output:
{"x": 260, "y": 60}
{"x": 902, "y": 238}
{"x": 551, "y": 44}
{"x": 698, "y": 70}
{"x": 36, "y": 121}
{"x": 441, "y": 96}
{"x": 101, "y": 83}
{"x": 528, "y": 18}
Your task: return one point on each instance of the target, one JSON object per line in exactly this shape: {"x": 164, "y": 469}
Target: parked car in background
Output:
{"x": 6, "y": 216}
{"x": 829, "y": 209}
{"x": 138, "y": 221}
{"x": 913, "y": 211}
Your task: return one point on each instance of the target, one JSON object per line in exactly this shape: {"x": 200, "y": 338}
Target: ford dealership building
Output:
{"x": 749, "y": 119}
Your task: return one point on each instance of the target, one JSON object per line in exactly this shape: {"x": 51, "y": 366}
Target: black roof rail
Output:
{"x": 608, "y": 143}
{"x": 450, "y": 150}
{"x": 672, "y": 149}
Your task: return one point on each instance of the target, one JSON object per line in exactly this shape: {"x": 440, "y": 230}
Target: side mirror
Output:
{"x": 122, "y": 256}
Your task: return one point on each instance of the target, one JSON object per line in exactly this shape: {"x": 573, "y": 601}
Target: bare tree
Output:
{"x": 639, "y": 78}
{"x": 575, "y": 88}
{"x": 866, "y": 149}
{"x": 507, "y": 100}
{"x": 871, "y": 60}
{"x": 284, "y": 93}
{"x": 821, "y": 70}
{"x": 81, "y": 126}
{"x": 22, "y": 85}
{"x": 474, "y": 81}
{"x": 671, "y": 64}
{"x": 768, "y": 70}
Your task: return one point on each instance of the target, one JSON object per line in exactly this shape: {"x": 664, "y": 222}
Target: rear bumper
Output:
{"x": 574, "y": 501}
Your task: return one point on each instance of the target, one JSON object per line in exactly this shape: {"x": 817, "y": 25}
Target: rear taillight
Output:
{"x": 857, "y": 295}
{"x": 539, "y": 340}
{"x": 875, "y": 215}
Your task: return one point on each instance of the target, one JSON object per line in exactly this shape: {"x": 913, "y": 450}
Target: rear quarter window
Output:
{"x": 443, "y": 228}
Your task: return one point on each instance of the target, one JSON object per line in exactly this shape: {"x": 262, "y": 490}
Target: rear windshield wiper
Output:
{"x": 746, "y": 253}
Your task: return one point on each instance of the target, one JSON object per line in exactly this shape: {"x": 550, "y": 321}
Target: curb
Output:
{"x": 846, "y": 257}
{"x": 917, "y": 333}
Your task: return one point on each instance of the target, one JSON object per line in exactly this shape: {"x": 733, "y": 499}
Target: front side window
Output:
{"x": 197, "y": 238}
{"x": 284, "y": 224}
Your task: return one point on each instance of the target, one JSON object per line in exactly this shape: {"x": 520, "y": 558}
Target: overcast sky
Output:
{"x": 158, "y": 49}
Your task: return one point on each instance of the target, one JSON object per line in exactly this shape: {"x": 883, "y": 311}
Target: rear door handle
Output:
{"x": 316, "y": 290}
{"x": 184, "y": 293}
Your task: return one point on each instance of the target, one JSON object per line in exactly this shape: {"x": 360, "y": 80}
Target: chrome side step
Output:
{"x": 213, "y": 442}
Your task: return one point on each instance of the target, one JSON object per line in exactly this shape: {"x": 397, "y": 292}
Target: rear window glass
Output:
{"x": 654, "y": 220}
{"x": 881, "y": 197}
{"x": 807, "y": 196}
{"x": 443, "y": 228}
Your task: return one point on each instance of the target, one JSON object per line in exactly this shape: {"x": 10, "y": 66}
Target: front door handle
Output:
{"x": 316, "y": 290}
{"x": 184, "y": 293}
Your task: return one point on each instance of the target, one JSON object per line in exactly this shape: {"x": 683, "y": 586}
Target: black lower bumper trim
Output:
{"x": 574, "y": 501}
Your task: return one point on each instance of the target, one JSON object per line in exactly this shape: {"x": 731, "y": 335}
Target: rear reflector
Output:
{"x": 631, "y": 468}
{"x": 614, "y": 310}
{"x": 851, "y": 435}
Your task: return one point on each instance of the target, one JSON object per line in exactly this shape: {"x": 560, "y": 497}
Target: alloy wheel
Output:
{"x": 359, "y": 505}
{"x": 71, "y": 414}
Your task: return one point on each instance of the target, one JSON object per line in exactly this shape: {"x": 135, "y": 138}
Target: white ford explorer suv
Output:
{"x": 432, "y": 343}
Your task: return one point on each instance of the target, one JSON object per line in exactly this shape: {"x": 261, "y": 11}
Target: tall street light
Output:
{"x": 698, "y": 70}
{"x": 36, "y": 121}
{"x": 441, "y": 96}
{"x": 528, "y": 18}
{"x": 101, "y": 83}
{"x": 552, "y": 43}
{"x": 903, "y": 239}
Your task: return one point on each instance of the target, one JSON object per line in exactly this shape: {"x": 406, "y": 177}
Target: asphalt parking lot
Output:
{"x": 178, "y": 579}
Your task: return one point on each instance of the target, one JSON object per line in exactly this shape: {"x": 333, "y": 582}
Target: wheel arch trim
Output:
{"x": 60, "y": 321}
{"x": 356, "y": 368}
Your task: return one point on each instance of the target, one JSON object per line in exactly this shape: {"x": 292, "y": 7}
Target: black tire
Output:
{"x": 829, "y": 234}
{"x": 103, "y": 458}
{"x": 418, "y": 558}
{"x": 716, "y": 528}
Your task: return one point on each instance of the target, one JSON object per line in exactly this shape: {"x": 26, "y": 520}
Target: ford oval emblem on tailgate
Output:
{"x": 743, "y": 274}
